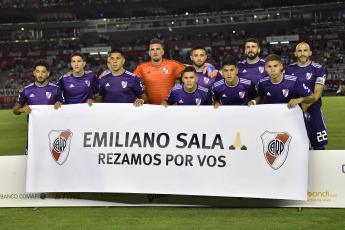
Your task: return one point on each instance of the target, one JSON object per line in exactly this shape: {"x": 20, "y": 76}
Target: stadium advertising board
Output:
{"x": 238, "y": 151}
{"x": 325, "y": 189}
{"x": 8, "y": 98}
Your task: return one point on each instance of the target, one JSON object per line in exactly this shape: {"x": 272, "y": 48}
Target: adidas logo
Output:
{"x": 244, "y": 71}
{"x": 224, "y": 95}
{"x": 32, "y": 95}
{"x": 180, "y": 101}
{"x": 71, "y": 86}
{"x": 107, "y": 85}
{"x": 268, "y": 94}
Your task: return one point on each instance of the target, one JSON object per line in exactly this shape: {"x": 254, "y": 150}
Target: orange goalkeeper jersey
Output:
{"x": 159, "y": 80}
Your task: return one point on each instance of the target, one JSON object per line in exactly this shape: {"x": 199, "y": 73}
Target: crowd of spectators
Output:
{"x": 49, "y": 3}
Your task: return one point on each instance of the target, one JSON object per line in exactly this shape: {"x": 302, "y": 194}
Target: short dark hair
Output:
{"x": 156, "y": 41}
{"x": 118, "y": 51}
{"x": 229, "y": 61}
{"x": 42, "y": 62}
{"x": 189, "y": 69}
{"x": 273, "y": 57}
{"x": 253, "y": 40}
{"x": 80, "y": 54}
{"x": 197, "y": 48}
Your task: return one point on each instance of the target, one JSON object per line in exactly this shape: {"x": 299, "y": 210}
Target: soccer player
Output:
{"x": 232, "y": 90}
{"x": 189, "y": 93}
{"x": 198, "y": 56}
{"x": 120, "y": 85}
{"x": 313, "y": 76}
{"x": 253, "y": 68}
{"x": 78, "y": 86}
{"x": 281, "y": 88}
{"x": 160, "y": 74}
{"x": 41, "y": 92}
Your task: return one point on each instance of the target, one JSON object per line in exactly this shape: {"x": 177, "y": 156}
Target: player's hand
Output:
{"x": 165, "y": 104}
{"x": 26, "y": 109}
{"x": 305, "y": 106}
{"x": 210, "y": 70}
{"x": 90, "y": 102}
{"x": 216, "y": 105}
{"x": 138, "y": 102}
{"x": 57, "y": 105}
{"x": 293, "y": 102}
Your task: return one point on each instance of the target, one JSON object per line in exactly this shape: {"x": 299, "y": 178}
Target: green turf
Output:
{"x": 171, "y": 218}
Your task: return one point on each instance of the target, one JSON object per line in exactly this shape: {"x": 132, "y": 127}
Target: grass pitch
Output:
{"x": 13, "y": 132}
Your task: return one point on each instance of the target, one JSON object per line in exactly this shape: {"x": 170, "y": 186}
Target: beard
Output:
{"x": 199, "y": 65}
{"x": 303, "y": 62}
{"x": 252, "y": 57}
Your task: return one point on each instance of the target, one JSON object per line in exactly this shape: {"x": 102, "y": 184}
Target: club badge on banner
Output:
{"x": 233, "y": 151}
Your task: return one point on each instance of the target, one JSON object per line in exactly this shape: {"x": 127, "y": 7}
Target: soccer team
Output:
{"x": 250, "y": 82}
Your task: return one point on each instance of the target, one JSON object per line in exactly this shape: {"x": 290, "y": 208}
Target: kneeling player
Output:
{"x": 281, "y": 88}
{"x": 189, "y": 93}
{"x": 232, "y": 90}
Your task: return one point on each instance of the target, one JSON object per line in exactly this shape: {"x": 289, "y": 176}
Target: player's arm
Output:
{"x": 317, "y": 93}
{"x": 255, "y": 101}
{"x": 59, "y": 99}
{"x": 308, "y": 99}
{"x": 217, "y": 104}
{"x": 140, "y": 100}
{"x": 19, "y": 109}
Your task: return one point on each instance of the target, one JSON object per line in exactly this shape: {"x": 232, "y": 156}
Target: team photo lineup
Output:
{"x": 168, "y": 82}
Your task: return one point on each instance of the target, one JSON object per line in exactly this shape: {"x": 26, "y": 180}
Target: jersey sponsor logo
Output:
{"x": 197, "y": 101}
{"x": 244, "y": 71}
{"x": 48, "y": 95}
{"x": 285, "y": 92}
{"x": 261, "y": 69}
{"x": 224, "y": 95}
{"x": 87, "y": 82}
{"x": 308, "y": 75}
{"x": 206, "y": 80}
{"x": 107, "y": 85}
{"x": 59, "y": 144}
{"x": 32, "y": 95}
{"x": 180, "y": 101}
{"x": 165, "y": 70}
{"x": 242, "y": 94}
{"x": 275, "y": 148}
{"x": 124, "y": 84}
{"x": 71, "y": 86}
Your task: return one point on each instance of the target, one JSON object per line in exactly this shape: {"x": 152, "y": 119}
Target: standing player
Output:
{"x": 280, "y": 88}
{"x": 232, "y": 90}
{"x": 313, "y": 76}
{"x": 189, "y": 93}
{"x": 41, "y": 92}
{"x": 120, "y": 85}
{"x": 160, "y": 74}
{"x": 198, "y": 56}
{"x": 253, "y": 68}
{"x": 78, "y": 86}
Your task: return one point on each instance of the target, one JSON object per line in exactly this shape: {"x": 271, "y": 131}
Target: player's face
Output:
{"x": 198, "y": 57}
{"x": 116, "y": 62}
{"x": 189, "y": 80}
{"x": 229, "y": 72}
{"x": 156, "y": 52}
{"x": 41, "y": 74}
{"x": 77, "y": 64}
{"x": 303, "y": 53}
{"x": 252, "y": 50}
{"x": 274, "y": 69}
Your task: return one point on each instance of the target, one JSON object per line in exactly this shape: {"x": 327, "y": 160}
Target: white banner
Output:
{"x": 259, "y": 151}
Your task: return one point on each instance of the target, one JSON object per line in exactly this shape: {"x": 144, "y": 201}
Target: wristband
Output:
{"x": 254, "y": 102}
